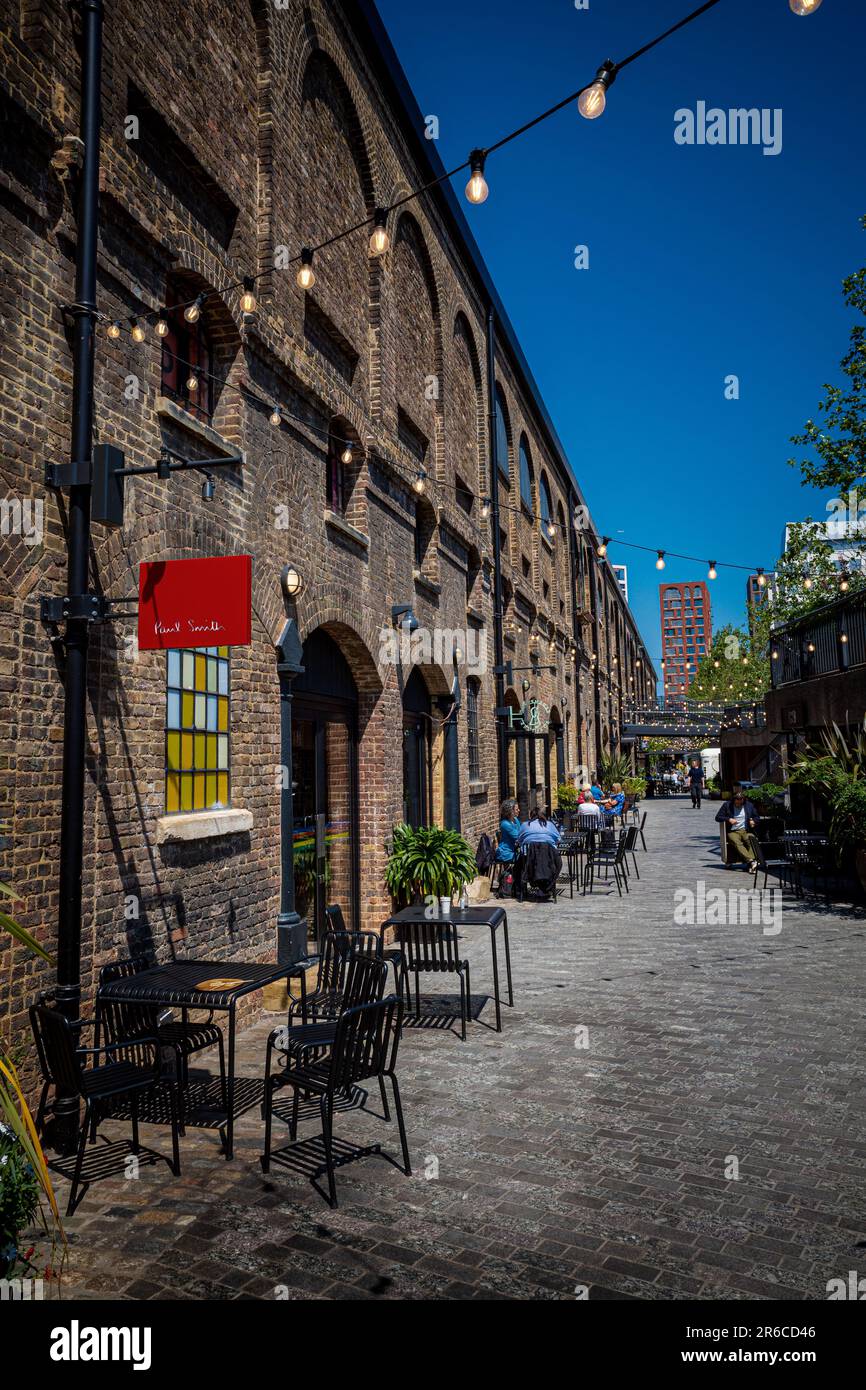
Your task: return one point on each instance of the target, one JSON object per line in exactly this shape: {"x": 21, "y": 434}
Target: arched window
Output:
{"x": 503, "y": 443}
{"x": 526, "y": 476}
{"x": 186, "y": 358}
{"x": 545, "y": 504}
{"x": 474, "y": 753}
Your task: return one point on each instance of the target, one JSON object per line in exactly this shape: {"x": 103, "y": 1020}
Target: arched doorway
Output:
{"x": 325, "y": 783}
{"x": 417, "y": 752}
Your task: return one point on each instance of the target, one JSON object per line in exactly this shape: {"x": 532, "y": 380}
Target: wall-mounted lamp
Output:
{"x": 402, "y": 616}
{"x": 292, "y": 582}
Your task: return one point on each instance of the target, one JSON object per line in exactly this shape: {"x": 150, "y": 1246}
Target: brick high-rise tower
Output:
{"x": 687, "y": 634}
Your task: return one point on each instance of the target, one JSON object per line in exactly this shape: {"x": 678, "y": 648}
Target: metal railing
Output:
{"x": 827, "y": 642}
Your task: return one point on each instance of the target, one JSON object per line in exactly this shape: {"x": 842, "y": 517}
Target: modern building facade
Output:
{"x": 621, "y": 574}
{"x": 393, "y": 450}
{"x": 687, "y": 633}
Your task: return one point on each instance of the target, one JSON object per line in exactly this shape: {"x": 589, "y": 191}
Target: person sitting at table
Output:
{"x": 613, "y": 805}
{"x": 740, "y": 818}
{"x": 588, "y": 809}
{"x": 595, "y": 788}
{"x": 538, "y": 829}
{"x": 509, "y": 825}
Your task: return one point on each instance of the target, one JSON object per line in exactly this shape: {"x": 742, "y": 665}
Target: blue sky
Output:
{"x": 705, "y": 261}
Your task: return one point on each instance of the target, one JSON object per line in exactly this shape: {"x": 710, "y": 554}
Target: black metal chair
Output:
{"x": 769, "y": 861}
{"x": 325, "y": 1001}
{"x": 609, "y": 853}
{"x": 364, "y": 983}
{"x": 631, "y": 835}
{"x": 364, "y": 1046}
{"x": 434, "y": 948}
{"x": 392, "y": 954}
{"x": 131, "y": 1069}
{"x": 641, "y": 824}
{"x": 120, "y": 1022}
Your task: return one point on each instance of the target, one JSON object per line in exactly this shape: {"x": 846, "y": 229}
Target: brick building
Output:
{"x": 687, "y": 634}
{"x": 232, "y": 132}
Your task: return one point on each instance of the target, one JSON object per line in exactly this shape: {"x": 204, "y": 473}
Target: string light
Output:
{"x": 306, "y": 276}
{"x": 660, "y": 562}
{"x": 593, "y": 99}
{"x": 762, "y": 579}
{"x": 249, "y": 302}
{"x": 601, "y": 550}
{"x": 162, "y": 324}
{"x": 192, "y": 312}
{"x": 276, "y": 416}
{"x": 420, "y": 480}
{"x": 380, "y": 241}
{"x": 114, "y": 329}
{"x": 192, "y": 383}
{"x": 804, "y": 7}
{"x": 477, "y": 189}
{"x": 136, "y": 329}
{"x": 551, "y": 529}
{"x": 485, "y": 508}
{"x": 712, "y": 573}
{"x": 807, "y": 582}
{"x": 348, "y": 454}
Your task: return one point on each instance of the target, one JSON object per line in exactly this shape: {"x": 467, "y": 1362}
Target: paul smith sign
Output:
{"x": 195, "y": 603}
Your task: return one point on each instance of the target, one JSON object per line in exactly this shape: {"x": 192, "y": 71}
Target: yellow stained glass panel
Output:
{"x": 188, "y": 709}
{"x": 211, "y": 789}
{"x": 223, "y": 786}
{"x": 200, "y": 751}
{"x": 172, "y": 792}
{"x": 198, "y": 781}
{"x": 172, "y": 752}
{"x": 200, "y": 672}
{"x": 211, "y": 751}
{"x": 186, "y": 794}
{"x": 223, "y": 714}
{"x": 186, "y": 750}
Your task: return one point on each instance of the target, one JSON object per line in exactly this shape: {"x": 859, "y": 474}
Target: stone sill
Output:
{"x": 339, "y": 523}
{"x": 479, "y": 788}
{"x": 202, "y": 825}
{"x": 423, "y": 582}
{"x": 170, "y": 410}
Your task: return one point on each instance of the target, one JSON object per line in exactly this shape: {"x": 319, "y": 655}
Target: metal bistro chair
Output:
{"x": 365, "y": 1045}
{"x": 641, "y": 824}
{"x": 609, "y": 854}
{"x": 631, "y": 834}
{"x": 120, "y": 1022}
{"x": 767, "y": 861}
{"x": 434, "y": 948}
{"x": 364, "y": 983}
{"x": 131, "y": 1069}
{"x": 391, "y": 954}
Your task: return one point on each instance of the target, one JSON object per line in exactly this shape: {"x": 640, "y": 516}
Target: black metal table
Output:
{"x": 491, "y": 917}
{"x": 205, "y": 984}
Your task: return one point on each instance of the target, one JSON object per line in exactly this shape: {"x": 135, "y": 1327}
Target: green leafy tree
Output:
{"x": 807, "y": 575}
{"x": 838, "y": 437}
{"x": 737, "y": 667}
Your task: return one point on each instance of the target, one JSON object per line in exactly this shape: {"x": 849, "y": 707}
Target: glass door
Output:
{"x": 325, "y": 816}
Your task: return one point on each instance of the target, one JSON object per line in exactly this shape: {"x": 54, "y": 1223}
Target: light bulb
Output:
{"x": 602, "y": 549}
{"x": 592, "y": 101}
{"x": 161, "y": 325}
{"x": 192, "y": 312}
{"x": 114, "y": 329}
{"x": 136, "y": 330}
{"x": 843, "y": 637}
{"x": 347, "y": 454}
{"x": 306, "y": 275}
{"x": 485, "y": 508}
{"x": 276, "y": 417}
{"x": 192, "y": 384}
{"x": 477, "y": 189}
{"x": 762, "y": 579}
{"x": 551, "y": 529}
{"x": 660, "y": 562}
{"x": 803, "y": 7}
{"x": 775, "y": 656}
{"x": 844, "y": 586}
{"x": 712, "y": 572}
{"x": 379, "y": 241}
{"x": 811, "y": 647}
{"x": 420, "y": 480}
{"x": 248, "y": 298}
{"x": 807, "y": 583}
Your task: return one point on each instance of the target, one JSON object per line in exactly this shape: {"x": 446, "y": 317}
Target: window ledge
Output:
{"x": 424, "y": 583}
{"x": 479, "y": 788}
{"x": 170, "y": 410}
{"x": 202, "y": 825}
{"x": 339, "y": 523}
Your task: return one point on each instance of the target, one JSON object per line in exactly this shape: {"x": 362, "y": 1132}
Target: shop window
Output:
{"x": 197, "y": 768}
{"x": 526, "y": 476}
{"x": 187, "y": 358}
{"x": 472, "y": 691}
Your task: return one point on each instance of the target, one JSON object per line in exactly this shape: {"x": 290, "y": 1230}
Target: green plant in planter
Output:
{"x": 428, "y": 862}
{"x": 566, "y": 797}
{"x": 614, "y": 768}
{"x": 634, "y": 786}
{"x": 20, "y": 1193}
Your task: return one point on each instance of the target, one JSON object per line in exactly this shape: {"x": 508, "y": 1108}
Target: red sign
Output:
{"x": 195, "y": 603}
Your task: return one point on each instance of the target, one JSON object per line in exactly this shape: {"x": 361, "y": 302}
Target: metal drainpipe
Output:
{"x": 498, "y": 648}
{"x": 68, "y": 991}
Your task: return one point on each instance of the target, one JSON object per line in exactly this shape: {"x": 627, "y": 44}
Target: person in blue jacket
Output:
{"x": 538, "y": 829}
{"x": 509, "y": 825}
{"x": 613, "y": 804}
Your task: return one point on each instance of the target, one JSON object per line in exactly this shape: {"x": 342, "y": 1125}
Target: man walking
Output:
{"x": 696, "y": 780}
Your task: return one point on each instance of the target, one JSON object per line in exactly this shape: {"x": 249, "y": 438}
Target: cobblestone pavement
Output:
{"x": 543, "y": 1167}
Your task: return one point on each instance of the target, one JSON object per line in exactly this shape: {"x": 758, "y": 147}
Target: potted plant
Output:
{"x": 427, "y": 862}
{"x": 566, "y": 800}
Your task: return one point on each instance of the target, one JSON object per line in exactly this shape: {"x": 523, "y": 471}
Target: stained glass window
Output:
{"x": 197, "y": 775}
